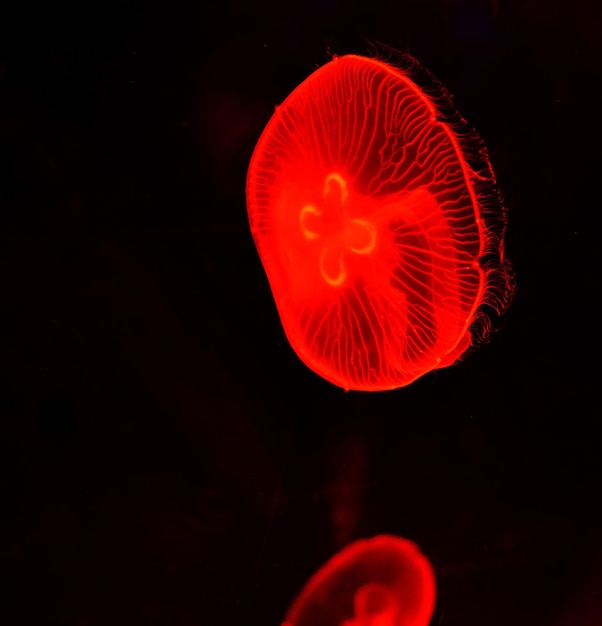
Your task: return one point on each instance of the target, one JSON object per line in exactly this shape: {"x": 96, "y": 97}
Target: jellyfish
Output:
{"x": 382, "y": 581}
{"x": 375, "y": 213}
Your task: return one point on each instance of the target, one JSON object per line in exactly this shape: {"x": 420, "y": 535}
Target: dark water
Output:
{"x": 165, "y": 457}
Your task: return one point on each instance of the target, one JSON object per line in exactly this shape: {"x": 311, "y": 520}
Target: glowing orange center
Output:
{"x": 374, "y": 605}
{"x": 338, "y": 234}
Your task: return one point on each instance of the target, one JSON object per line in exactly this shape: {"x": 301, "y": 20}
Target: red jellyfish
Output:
{"x": 384, "y": 581}
{"x": 376, "y": 216}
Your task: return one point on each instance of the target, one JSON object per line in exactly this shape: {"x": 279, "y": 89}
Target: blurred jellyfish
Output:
{"x": 383, "y": 581}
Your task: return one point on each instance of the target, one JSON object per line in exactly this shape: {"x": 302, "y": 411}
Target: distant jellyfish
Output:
{"x": 376, "y": 216}
{"x": 383, "y": 581}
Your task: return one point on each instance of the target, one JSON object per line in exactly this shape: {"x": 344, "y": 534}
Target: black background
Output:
{"x": 165, "y": 457}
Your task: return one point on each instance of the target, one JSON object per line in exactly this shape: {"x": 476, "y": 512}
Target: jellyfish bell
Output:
{"x": 375, "y": 213}
{"x": 383, "y": 581}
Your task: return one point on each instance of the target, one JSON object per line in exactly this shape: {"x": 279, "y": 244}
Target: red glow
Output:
{"x": 374, "y": 211}
{"x": 384, "y": 581}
